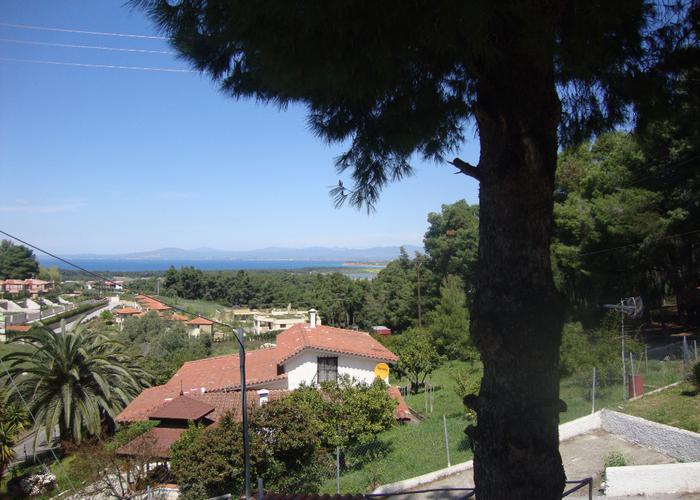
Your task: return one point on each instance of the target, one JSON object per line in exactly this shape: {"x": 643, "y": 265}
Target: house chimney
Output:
{"x": 312, "y": 318}
{"x": 263, "y": 395}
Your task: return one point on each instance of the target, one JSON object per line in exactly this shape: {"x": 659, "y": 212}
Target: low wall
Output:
{"x": 430, "y": 477}
{"x": 680, "y": 444}
{"x": 652, "y": 479}
{"x": 580, "y": 426}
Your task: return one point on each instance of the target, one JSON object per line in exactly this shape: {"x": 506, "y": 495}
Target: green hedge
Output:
{"x": 74, "y": 312}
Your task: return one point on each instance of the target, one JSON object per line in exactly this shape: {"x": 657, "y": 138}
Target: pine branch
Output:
{"x": 466, "y": 168}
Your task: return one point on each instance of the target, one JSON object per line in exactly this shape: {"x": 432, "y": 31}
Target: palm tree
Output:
{"x": 12, "y": 422}
{"x": 76, "y": 380}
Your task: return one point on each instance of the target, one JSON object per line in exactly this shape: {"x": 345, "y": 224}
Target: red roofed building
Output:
{"x": 304, "y": 354}
{"x": 201, "y": 325}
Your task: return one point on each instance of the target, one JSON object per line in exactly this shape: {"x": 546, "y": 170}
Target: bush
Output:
{"x": 467, "y": 382}
{"x": 696, "y": 375}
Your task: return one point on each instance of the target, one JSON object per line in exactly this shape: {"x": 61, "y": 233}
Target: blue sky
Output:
{"x": 112, "y": 160}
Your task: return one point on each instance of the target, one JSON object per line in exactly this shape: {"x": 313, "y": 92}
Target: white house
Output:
{"x": 303, "y": 354}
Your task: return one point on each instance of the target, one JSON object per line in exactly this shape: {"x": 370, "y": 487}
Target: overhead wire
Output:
{"x": 82, "y": 32}
{"x": 100, "y": 66}
{"x": 80, "y": 46}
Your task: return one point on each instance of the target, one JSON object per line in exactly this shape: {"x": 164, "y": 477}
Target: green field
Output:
{"x": 412, "y": 450}
{"x": 678, "y": 406}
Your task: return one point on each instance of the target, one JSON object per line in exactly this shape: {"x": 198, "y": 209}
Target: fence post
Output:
{"x": 593, "y": 393}
{"x": 261, "y": 491}
{"x": 695, "y": 343}
{"x": 634, "y": 386}
{"x": 646, "y": 359}
{"x": 686, "y": 355}
{"x": 447, "y": 443}
{"x": 337, "y": 470}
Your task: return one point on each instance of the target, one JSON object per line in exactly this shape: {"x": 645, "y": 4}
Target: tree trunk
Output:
{"x": 517, "y": 314}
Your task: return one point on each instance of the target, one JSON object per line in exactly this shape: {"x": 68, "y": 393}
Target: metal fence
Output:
{"x": 610, "y": 385}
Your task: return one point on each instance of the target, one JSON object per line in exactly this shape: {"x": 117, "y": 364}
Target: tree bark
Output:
{"x": 517, "y": 315}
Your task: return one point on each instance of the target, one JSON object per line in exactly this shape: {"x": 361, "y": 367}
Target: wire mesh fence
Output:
{"x": 608, "y": 385}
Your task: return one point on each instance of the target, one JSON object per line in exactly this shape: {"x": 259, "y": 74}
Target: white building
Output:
{"x": 306, "y": 354}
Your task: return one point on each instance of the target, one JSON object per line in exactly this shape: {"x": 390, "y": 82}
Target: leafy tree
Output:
{"x": 284, "y": 446}
{"x": 74, "y": 380}
{"x": 52, "y": 273}
{"x": 449, "y": 322}
{"x": 171, "y": 348}
{"x": 417, "y": 356}
{"x": 395, "y": 78}
{"x": 349, "y": 413}
{"x": 17, "y": 261}
{"x": 451, "y": 242}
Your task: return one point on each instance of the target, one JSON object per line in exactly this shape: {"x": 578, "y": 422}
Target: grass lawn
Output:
{"x": 417, "y": 449}
{"x": 678, "y": 406}
{"x": 412, "y": 450}
{"x": 204, "y": 307}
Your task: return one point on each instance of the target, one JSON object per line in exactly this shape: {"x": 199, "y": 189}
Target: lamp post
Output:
{"x": 244, "y": 413}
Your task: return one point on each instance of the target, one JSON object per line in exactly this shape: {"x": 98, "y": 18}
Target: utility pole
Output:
{"x": 244, "y": 414}
{"x": 624, "y": 365}
{"x": 418, "y": 264}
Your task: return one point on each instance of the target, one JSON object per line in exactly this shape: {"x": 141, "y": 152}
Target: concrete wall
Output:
{"x": 579, "y": 426}
{"x": 680, "y": 444}
{"x": 302, "y": 368}
{"x": 652, "y": 479}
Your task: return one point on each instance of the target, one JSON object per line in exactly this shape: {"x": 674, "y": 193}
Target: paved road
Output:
{"x": 113, "y": 302}
{"x": 25, "y": 447}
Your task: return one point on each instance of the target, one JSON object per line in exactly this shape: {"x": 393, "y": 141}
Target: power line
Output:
{"x": 100, "y": 66}
{"x": 82, "y": 32}
{"x": 78, "y": 46}
{"x": 105, "y": 279}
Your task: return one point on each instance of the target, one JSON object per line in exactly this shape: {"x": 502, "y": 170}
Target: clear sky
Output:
{"x": 111, "y": 160}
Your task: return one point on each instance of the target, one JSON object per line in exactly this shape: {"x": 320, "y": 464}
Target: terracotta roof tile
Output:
{"x": 155, "y": 442}
{"x": 331, "y": 339}
{"x": 18, "y": 328}
{"x": 223, "y": 372}
{"x": 200, "y": 321}
{"x": 181, "y": 408}
{"x": 127, "y": 310}
{"x": 176, "y": 317}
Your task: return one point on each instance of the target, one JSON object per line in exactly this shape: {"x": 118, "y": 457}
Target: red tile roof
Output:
{"x": 402, "y": 411}
{"x": 330, "y": 339}
{"x": 18, "y": 328}
{"x": 181, "y": 408}
{"x": 176, "y": 317}
{"x": 223, "y": 372}
{"x": 127, "y": 310}
{"x": 148, "y": 404}
{"x": 200, "y": 321}
{"x": 154, "y": 443}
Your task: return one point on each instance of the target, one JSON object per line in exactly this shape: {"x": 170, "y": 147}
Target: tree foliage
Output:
{"x": 74, "y": 380}
{"x": 285, "y": 444}
{"x": 417, "y": 355}
{"x": 17, "y": 261}
{"x": 449, "y": 322}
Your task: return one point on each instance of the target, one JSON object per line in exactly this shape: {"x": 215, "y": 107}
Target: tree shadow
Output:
{"x": 690, "y": 394}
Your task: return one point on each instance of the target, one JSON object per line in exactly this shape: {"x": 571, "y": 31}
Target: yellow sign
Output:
{"x": 381, "y": 371}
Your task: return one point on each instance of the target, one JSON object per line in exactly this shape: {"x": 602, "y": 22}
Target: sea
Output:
{"x": 143, "y": 265}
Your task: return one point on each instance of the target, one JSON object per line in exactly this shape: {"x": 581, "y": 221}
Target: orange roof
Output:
{"x": 327, "y": 338}
{"x": 402, "y": 411}
{"x": 200, "y": 321}
{"x": 156, "y": 306}
{"x": 181, "y": 408}
{"x": 176, "y": 317}
{"x": 18, "y": 328}
{"x": 223, "y": 372}
{"x": 151, "y": 401}
{"x": 154, "y": 443}
{"x": 127, "y": 310}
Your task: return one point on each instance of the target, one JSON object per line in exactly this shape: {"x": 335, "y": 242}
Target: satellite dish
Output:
{"x": 631, "y": 306}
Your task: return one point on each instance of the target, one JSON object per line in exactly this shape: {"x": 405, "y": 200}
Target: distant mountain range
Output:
{"x": 270, "y": 253}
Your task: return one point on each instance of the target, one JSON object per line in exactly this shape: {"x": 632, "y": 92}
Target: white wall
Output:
{"x": 680, "y": 444}
{"x": 302, "y": 368}
{"x": 652, "y": 479}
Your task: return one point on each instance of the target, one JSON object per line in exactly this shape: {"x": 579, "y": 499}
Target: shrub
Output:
{"x": 696, "y": 375}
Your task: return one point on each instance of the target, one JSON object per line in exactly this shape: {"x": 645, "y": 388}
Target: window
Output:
{"x": 327, "y": 369}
